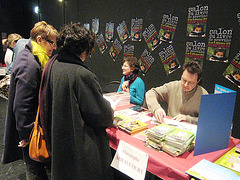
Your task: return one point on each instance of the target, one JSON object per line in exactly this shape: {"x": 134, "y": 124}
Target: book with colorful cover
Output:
{"x": 237, "y": 149}
{"x": 123, "y": 32}
{"x": 109, "y": 32}
{"x": 136, "y": 29}
{"x": 118, "y": 119}
{"x": 115, "y": 49}
{"x": 128, "y": 51}
{"x": 180, "y": 135}
{"x": 207, "y": 170}
{"x": 132, "y": 126}
{"x": 95, "y": 26}
{"x": 101, "y": 43}
{"x": 145, "y": 61}
{"x": 231, "y": 160}
{"x": 160, "y": 131}
{"x": 151, "y": 37}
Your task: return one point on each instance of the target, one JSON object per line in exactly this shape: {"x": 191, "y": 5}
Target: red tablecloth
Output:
{"x": 162, "y": 164}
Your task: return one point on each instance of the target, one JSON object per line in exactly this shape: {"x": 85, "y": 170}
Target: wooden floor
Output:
{"x": 15, "y": 170}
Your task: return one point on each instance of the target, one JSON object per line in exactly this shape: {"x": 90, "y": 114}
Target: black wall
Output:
{"x": 221, "y": 14}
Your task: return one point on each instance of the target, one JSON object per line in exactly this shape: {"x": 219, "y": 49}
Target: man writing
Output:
{"x": 183, "y": 97}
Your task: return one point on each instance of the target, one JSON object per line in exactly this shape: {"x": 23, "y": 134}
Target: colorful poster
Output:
{"x": 123, "y": 32}
{"x": 109, "y": 32}
{"x": 115, "y": 49}
{"x": 219, "y": 44}
{"x": 168, "y": 27}
{"x": 197, "y": 21}
{"x": 195, "y": 52}
{"x": 145, "y": 61}
{"x": 238, "y": 17}
{"x": 95, "y": 26}
{"x": 151, "y": 37}
{"x": 136, "y": 29}
{"x": 101, "y": 43}
{"x": 128, "y": 51}
{"x": 232, "y": 73}
{"x": 169, "y": 59}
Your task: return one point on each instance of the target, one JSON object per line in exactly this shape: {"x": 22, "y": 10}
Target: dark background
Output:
{"x": 18, "y": 16}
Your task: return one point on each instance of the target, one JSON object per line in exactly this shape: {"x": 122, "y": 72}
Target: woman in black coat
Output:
{"x": 78, "y": 111}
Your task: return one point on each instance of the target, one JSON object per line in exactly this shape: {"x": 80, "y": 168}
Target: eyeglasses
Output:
{"x": 51, "y": 42}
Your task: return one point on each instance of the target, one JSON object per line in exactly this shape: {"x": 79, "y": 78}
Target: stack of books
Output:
{"x": 156, "y": 136}
{"x": 178, "y": 142}
{"x": 170, "y": 139}
{"x": 237, "y": 148}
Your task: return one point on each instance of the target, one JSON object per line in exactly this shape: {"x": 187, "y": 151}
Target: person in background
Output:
{"x": 183, "y": 97}
{"x": 77, "y": 110}
{"x": 10, "y": 43}
{"x": 130, "y": 82}
{"x": 23, "y": 98}
{"x": 21, "y": 43}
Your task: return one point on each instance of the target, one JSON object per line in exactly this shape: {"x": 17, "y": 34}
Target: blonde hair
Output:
{"x": 11, "y": 38}
{"x": 46, "y": 31}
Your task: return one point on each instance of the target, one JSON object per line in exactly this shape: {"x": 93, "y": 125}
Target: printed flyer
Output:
{"x": 168, "y": 27}
{"x": 197, "y": 21}
{"x": 101, "y": 43}
{"x": 109, "y": 32}
{"x": 128, "y": 51}
{"x": 95, "y": 26}
{"x": 238, "y": 17}
{"x": 145, "y": 61}
{"x": 169, "y": 59}
{"x": 87, "y": 26}
{"x": 151, "y": 37}
{"x": 123, "y": 32}
{"x": 115, "y": 49}
{"x": 136, "y": 29}
{"x": 232, "y": 73}
{"x": 219, "y": 44}
{"x": 195, "y": 52}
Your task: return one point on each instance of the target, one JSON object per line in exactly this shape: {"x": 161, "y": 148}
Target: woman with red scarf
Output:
{"x": 131, "y": 82}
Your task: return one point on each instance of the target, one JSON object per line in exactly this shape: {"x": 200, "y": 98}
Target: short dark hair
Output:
{"x": 193, "y": 67}
{"x": 75, "y": 39}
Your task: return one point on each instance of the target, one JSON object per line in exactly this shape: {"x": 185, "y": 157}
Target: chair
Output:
{"x": 111, "y": 87}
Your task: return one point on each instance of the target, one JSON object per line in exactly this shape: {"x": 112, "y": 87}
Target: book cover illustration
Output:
{"x": 136, "y": 29}
{"x": 232, "y": 73}
{"x": 169, "y": 59}
{"x": 231, "y": 160}
{"x": 197, "y": 21}
{"x": 115, "y": 49}
{"x": 219, "y": 43}
{"x": 120, "y": 118}
{"x": 123, "y": 32}
{"x": 195, "y": 51}
{"x": 145, "y": 61}
{"x": 109, "y": 32}
{"x": 168, "y": 28}
{"x": 151, "y": 37}
{"x": 87, "y": 26}
{"x": 128, "y": 51}
{"x": 101, "y": 43}
{"x": 95, "y": 25}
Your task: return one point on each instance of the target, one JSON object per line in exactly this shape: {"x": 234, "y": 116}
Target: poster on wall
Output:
{"x": 115, "y": 49}
{"x": 168, "y": 28}
{"x": 238, "y": 17}
{"x": 169, "y": 59}
{"x": 136, "y": 29}
{"x": 95, "y": 25}
{"x": 219, "y": 44}
{"x": 128, "y": 51}
{"x": 145, "y": 61}
{"x": 151, "y": 37}
{"x": 109, "y": 32}
{"x": 232, "y": 73}
{"x": 101, "y": 43}
{"x": 123, "y": 32}
{"x": 195, "y": 51}
{"x": 197, "y": 21}
{"x": 87, "y": 26}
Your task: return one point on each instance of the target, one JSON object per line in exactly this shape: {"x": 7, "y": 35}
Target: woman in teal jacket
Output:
{"x": 130, "y": 82}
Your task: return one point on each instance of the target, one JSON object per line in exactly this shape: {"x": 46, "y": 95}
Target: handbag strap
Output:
{"x": 36, "y": 120}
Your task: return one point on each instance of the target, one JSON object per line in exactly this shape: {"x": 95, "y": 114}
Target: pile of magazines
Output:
{"x": 170, "y": 139}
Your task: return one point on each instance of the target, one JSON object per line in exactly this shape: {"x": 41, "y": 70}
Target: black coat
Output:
{"x": 80, "y": 147}
{"x": 22, "y": 103}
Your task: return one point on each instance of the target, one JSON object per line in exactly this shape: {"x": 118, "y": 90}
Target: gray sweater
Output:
{"x": 179, "y": 102}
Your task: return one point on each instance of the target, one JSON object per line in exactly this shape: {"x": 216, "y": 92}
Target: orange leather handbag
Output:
{"x": 37, "y": 146}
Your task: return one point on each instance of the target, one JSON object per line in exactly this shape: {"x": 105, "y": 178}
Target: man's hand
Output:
{"x": 160, "y": 115}
{"x": 23, "y": 143}
{"x": 180, "y": 117}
